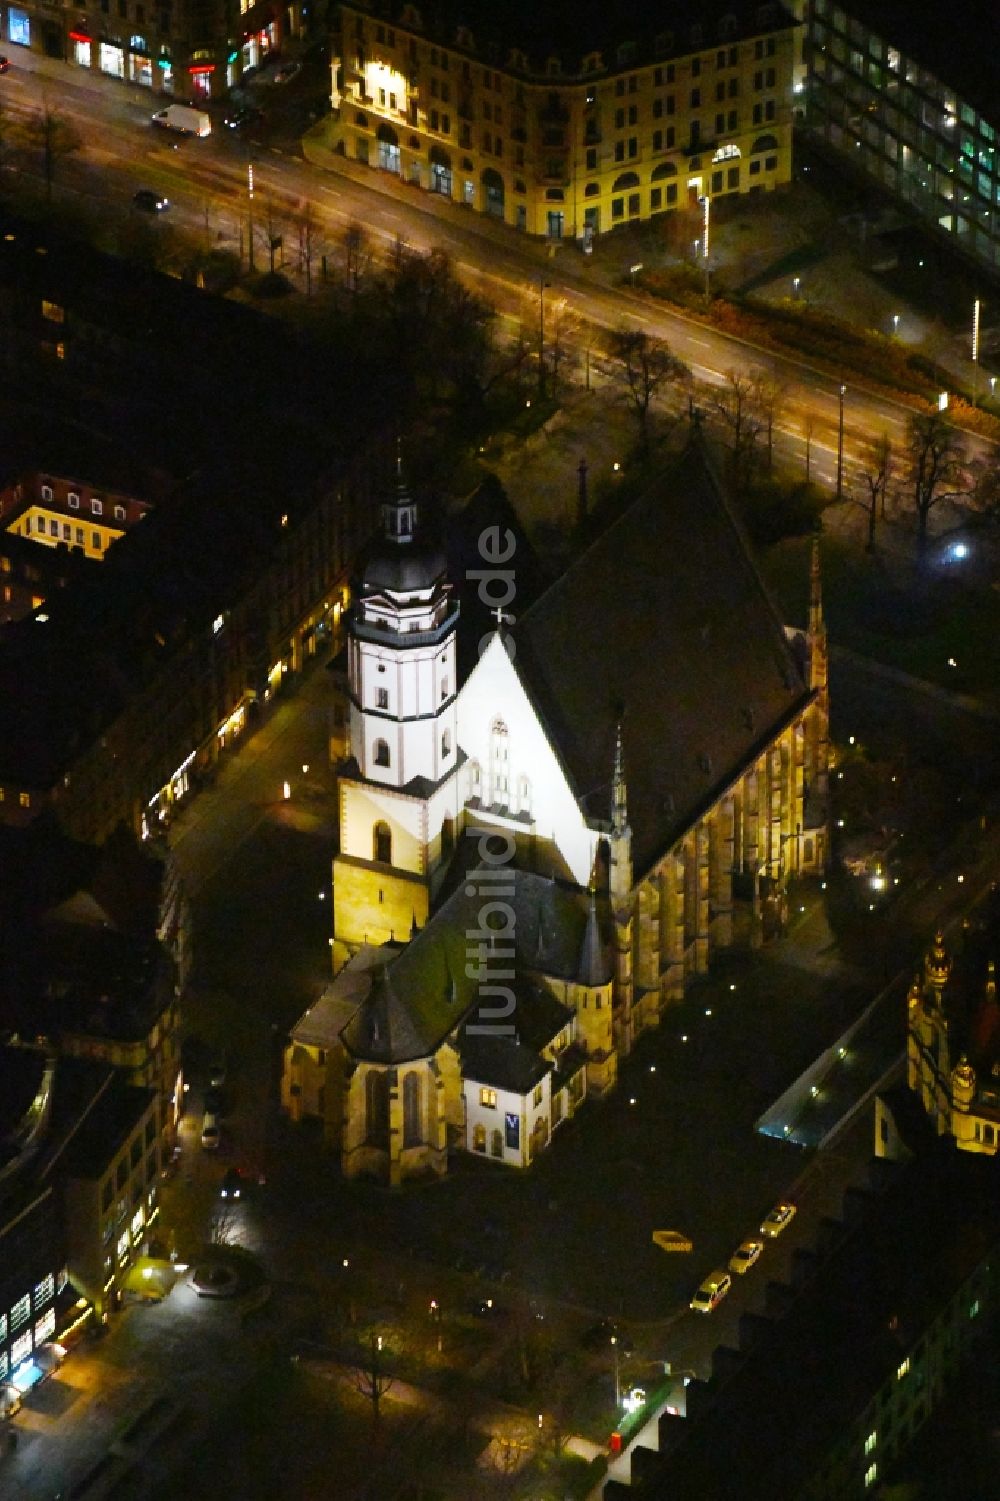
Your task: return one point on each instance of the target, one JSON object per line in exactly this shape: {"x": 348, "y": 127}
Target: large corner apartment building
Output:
{"x": 567, "y": 121}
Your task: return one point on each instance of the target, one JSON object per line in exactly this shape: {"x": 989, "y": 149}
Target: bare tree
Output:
{"x": 370, "y": 1378}
{"x": 877, "y": 473}
{"x": 358, "y": 256}
{"x": 56, "y": 138}
{"x": 935, "y": 468}
{"x": 809, "y": 432}
{"x": 223, "y": 1223}
{"x": 307, "y": 243}
{"x": 737, "y": 402}
{"x": 646, "y": 365}
{"x": 770, "y": 396}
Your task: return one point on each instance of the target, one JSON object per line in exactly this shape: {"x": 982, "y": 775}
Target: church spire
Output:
{"x": 619, "y": 791}
{"x": 399, "y": 511}
{"x": 816, "y": 635}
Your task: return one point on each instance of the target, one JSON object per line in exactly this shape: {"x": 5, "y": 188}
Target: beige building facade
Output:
{"x": 567, "y": 136}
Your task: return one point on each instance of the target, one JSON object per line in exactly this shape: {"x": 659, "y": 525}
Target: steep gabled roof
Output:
{"x": 665, "y": 625}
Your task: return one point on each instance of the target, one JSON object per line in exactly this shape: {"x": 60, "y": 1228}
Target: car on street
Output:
{"x": 210, "y": 1132}
{"x": 213, "y": 1101}
{"x": 779, "y": 1219}
{"x": 711, "y": 1292}
{"x": 243, "y": 117}
{"x": 600, "y": 1336}
{"x": 233, "y": 1184}
{"x": 744, "y": 1256}
{"x": 217, "y": 1075}
{"x": 150, "y": 202}
{"x": 287, "y": 72}
{"x": 4, "y": 63}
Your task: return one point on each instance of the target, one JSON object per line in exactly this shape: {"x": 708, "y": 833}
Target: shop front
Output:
{"x": 18, "y": 26}
{"x": 140, "y": 64}
{"x": 111, "y": 58}
{"x": 81, "y": 49}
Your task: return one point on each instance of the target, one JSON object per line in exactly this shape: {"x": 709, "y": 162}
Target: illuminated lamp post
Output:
{"x": 840, "y": 445}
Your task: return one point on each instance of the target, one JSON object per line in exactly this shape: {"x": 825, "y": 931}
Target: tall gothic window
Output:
{"x": 377, "y": 1108}
{"x": 382, "y": 843}
{"x": 499, "y": 763}
{"x": 380, "y": 751}
{"x": 412, "y": 1124}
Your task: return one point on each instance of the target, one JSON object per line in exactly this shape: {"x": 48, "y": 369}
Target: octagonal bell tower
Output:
{"x": 399, "y": 793}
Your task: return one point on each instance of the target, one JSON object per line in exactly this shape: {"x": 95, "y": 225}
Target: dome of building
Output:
{"x": 403, "y": 569}
{"x": 404, "y": 560}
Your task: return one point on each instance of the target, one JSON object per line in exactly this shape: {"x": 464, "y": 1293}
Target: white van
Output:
{"x": 183, "y": 119}
{"x": 210, "y": 1132}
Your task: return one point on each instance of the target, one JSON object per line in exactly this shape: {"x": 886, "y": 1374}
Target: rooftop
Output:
{"x": 570, "y": 29}
{"x": 662, "y": 625}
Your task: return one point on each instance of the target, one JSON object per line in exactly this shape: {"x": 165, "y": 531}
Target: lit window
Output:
{"x": 25, "y": 799}
{"x": 45, "y": 1326}
{"x": 20, "y": 1349}
{"x": 870, "y": 1442}
{"x": 974, "y": 1309}
{"x": 20, "y": 1313}
{"x": 45, "y": 1291}
{"x": 870, "y": 1474}
{"x": 53, "y": 312}
{"x": 488, "y": 1097}
{"x": 901, "y": 1370}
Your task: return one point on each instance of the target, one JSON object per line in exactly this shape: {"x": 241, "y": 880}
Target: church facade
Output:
{"x": 542, "y": 857}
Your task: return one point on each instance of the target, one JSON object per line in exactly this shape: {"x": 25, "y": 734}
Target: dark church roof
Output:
{"x": 426, "y": 993}
{"x": 664, "y": 624}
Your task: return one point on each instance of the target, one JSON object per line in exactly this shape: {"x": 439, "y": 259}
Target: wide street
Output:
{"x": 207, "y": 184}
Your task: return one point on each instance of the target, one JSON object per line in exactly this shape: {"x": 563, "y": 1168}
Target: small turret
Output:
{"x": 937, "y": 965}
{"x": 593, "y": 969}
{"x": 963, "y": 1085}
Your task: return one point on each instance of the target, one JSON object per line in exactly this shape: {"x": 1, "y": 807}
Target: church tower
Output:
{"x": 819, "y": 671}
{"x": 620, "y": 890}
{"x": 399, "y": 794}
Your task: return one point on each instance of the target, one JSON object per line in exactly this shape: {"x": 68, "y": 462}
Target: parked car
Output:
{"x": 779, "y": 1219}
{"x": 210, "y": 1132}
{"x": 287, "y": 72}
{"x": 150, "y": 202}
{"x": 744, "y": 1256}
{"x": 711, "y": 1292}
{"x": 217, "y": 1075}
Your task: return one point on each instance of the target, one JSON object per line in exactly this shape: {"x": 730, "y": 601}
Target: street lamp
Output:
{"x": 840, "y": 445}
{"x": 975, "y": 347}
{"x": 706, "y": 225}
{"x": 895, "y": 323}
{"x": 250, "y": 260}
{"x": 542, "y": 284}
{"x": 618, "y": 1378}
{"x": 796, "y": 283}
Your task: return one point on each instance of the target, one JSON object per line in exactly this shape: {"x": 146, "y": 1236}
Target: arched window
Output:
{"x": 412, "y": 1111}
{"x": 499, "y": 763}
{"x": 592, "y": 190}
{"x": 665, "y": 169}
{"x": 377, "y": 1109}
{"x": 479, "y": 1138}
{"x": 625, "y": 180}
{"x": 382, "y": 843}
{"x": 380, "y": 752}
{"x": 496, "y": 1142}
{"x": 764, "y": 143}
